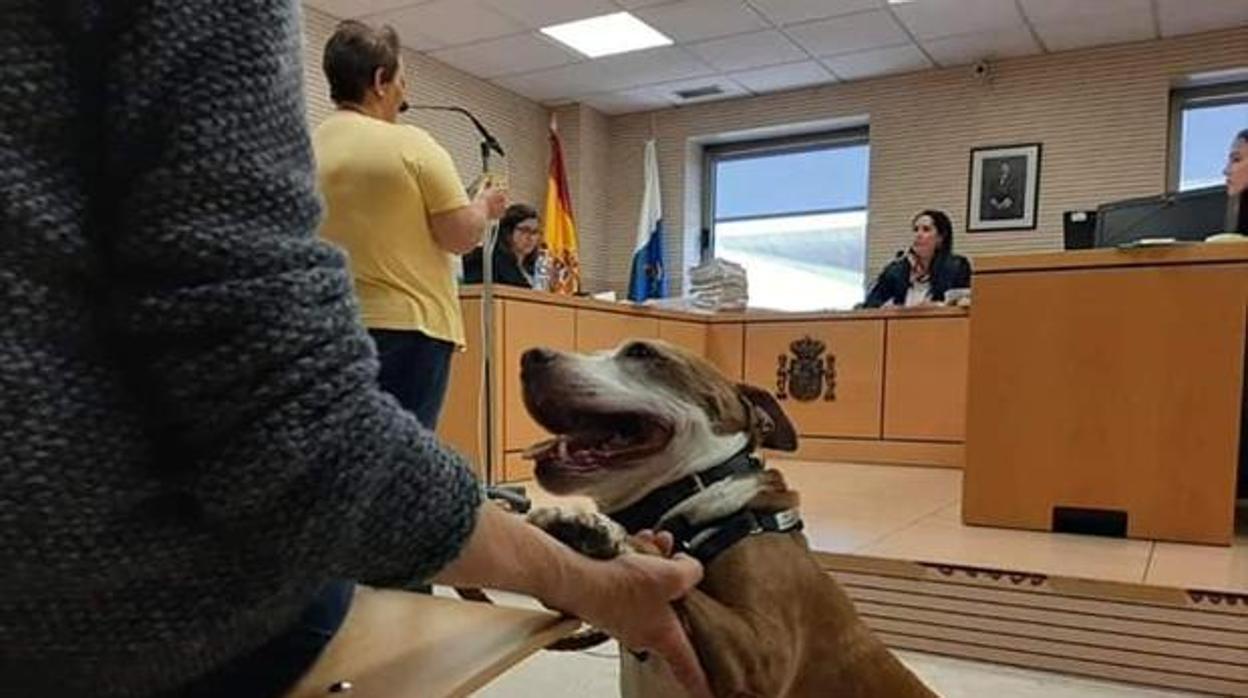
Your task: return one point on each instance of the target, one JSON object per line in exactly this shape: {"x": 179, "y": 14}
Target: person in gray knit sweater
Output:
{"x": 193, "y": 446}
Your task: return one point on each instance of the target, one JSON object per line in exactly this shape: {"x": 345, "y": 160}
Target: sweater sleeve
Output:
{"x": 237, "y": 326}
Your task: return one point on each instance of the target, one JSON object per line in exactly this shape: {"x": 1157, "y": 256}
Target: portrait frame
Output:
{"x": 1004, "y": 189}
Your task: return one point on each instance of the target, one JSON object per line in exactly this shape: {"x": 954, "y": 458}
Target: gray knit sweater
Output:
{"x": 191, "y": 436}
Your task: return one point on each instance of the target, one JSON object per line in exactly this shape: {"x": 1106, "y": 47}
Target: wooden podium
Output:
{"x": 1108, "y": 383}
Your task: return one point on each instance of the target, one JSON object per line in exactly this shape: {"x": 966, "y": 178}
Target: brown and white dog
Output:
{"x": 633, "y": 427}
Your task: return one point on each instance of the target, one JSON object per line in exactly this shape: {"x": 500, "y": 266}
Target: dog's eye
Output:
{"x": 640, "y": 350}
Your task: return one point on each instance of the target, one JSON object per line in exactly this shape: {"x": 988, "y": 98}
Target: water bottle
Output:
{"x": 541, "y": 270}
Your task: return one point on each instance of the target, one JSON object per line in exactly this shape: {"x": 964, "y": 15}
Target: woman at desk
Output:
{"x": 515, "y": 255}
{"x": 926, "y": 271}
{"x": 1237, "y": 166}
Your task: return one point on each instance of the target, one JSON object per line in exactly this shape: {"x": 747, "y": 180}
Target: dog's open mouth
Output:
{"x": 591, "y": 440}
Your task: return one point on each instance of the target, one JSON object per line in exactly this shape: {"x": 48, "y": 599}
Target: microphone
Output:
{"x": 486, "y": 137}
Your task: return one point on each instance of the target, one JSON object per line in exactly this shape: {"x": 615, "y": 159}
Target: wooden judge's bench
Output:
{"x": 1105, "y": 387}
{"x": 882, "y": 386}
{"x": 1107, "y": 391}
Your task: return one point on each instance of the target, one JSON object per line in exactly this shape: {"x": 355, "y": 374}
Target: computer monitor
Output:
{"x": 1188, "y": 215}
{"x": 1237, "y": 214}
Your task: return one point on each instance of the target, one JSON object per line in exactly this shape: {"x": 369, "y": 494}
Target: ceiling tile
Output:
{"x": 651, "y": 66}
{"x": 350, "y": 9}
{"x": 877, "y": 62}
{"x": 930, "y": 19}
{"x": 748, "y": 51}
{"x": 562, "y": 82}
{"x": 521, "y": 53}
{"x": 1114, "y": 29}
{"x": 968, "y": 48}
{"x": 536, "y": 14}
{"x": 1191, "y": 16}
{"x": 451, "y": 22}
{"x": 793, "y": 11}
{"x": 848, "y": 34}
{"x": 1049, "y": 11}
{"x": 692, "y": 20}
{"x": 612, "y": 74}
{"x": 633, "y": 4}
{"x": 728, "y": 89}
{"x": 627, "y": 101}
{"x": 783, "y": 77}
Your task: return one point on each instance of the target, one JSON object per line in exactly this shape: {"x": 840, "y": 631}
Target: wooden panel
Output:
{"x": 516, "y": 468}
{"x": 528, "y": 325}
{"x": 1112, "y": 389}
{"x": 688, "y": 335}
{"x": 725, "y": 347}
{"x": 460, "y": 647}
{"x": 596, "y": 330}
{"x": 1113, "y": 257}
{"x": 931, "y": 453}
{"x": 462, "y": 422}
{"x": 925, "y": 379}
{"x": 858, "y": 350}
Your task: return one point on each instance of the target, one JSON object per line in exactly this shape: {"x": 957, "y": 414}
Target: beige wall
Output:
{"x": 1102, "y": 115}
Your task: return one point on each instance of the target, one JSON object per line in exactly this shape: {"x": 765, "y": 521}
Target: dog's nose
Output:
{"x": 537, "y": 359}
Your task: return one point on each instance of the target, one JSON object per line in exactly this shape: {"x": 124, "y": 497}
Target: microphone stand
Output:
{"x": 489, "y": 144}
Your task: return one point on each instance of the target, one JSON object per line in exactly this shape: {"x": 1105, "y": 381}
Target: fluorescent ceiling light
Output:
{"x": 606, "y": 35}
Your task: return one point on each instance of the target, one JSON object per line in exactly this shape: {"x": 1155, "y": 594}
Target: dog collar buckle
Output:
{"x": 787, "y": 519}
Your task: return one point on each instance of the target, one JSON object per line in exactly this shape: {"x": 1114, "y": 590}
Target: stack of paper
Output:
{"x": 719, "y": 285}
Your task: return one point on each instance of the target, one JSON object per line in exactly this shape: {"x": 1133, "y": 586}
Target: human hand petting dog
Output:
{"x": 629, "y": 596}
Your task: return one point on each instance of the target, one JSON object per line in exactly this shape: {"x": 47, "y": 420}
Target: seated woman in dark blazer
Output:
{"x": 519, "y": 233}
{"x": 923, "y": 273}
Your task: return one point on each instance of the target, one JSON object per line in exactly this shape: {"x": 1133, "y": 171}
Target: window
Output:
{"x": 1204, "y": 121}
{"x": 794, "y": 214}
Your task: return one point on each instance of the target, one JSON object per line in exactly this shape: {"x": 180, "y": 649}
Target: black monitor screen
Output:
{"x": 1189, "y": 215}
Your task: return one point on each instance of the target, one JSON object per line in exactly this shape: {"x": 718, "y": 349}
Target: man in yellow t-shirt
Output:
{"x": 395, "y": 203}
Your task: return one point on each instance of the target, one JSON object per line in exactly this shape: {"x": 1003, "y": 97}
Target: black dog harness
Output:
{"x": 707, "y": 540}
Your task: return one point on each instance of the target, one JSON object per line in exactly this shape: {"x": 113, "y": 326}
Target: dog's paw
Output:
{"x": 588, "y": 533}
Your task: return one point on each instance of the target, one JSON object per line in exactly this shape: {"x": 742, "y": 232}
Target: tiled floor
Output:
{"x": 596, "y": 674}
{"x": 913, "y": 514}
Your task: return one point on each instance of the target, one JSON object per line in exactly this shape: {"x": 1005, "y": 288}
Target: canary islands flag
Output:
{"x": 648, "y": 279}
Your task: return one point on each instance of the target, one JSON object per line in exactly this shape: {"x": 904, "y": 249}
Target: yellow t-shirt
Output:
{"x": 381, "y": 182}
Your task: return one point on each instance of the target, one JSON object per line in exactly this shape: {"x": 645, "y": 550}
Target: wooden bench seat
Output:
{"x": 397, "y": 644}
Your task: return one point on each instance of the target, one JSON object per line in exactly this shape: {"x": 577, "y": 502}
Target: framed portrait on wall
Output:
{"x": 1004, "y": 188}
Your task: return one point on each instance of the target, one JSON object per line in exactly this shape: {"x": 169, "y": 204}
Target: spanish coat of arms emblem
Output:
{"x": 806, "y": 374}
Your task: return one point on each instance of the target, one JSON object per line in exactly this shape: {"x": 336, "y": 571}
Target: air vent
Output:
{"x": 699, "y": 92}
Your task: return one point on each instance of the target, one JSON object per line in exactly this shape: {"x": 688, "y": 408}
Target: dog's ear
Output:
{"x": 770, "y": 426}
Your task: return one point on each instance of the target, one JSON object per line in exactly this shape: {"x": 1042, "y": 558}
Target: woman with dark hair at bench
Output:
{"x": 515, "y": 254}
{"x": 924, "y": 272}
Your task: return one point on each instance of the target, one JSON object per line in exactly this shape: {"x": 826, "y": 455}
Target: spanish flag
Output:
{"x": 561, "y": 244}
